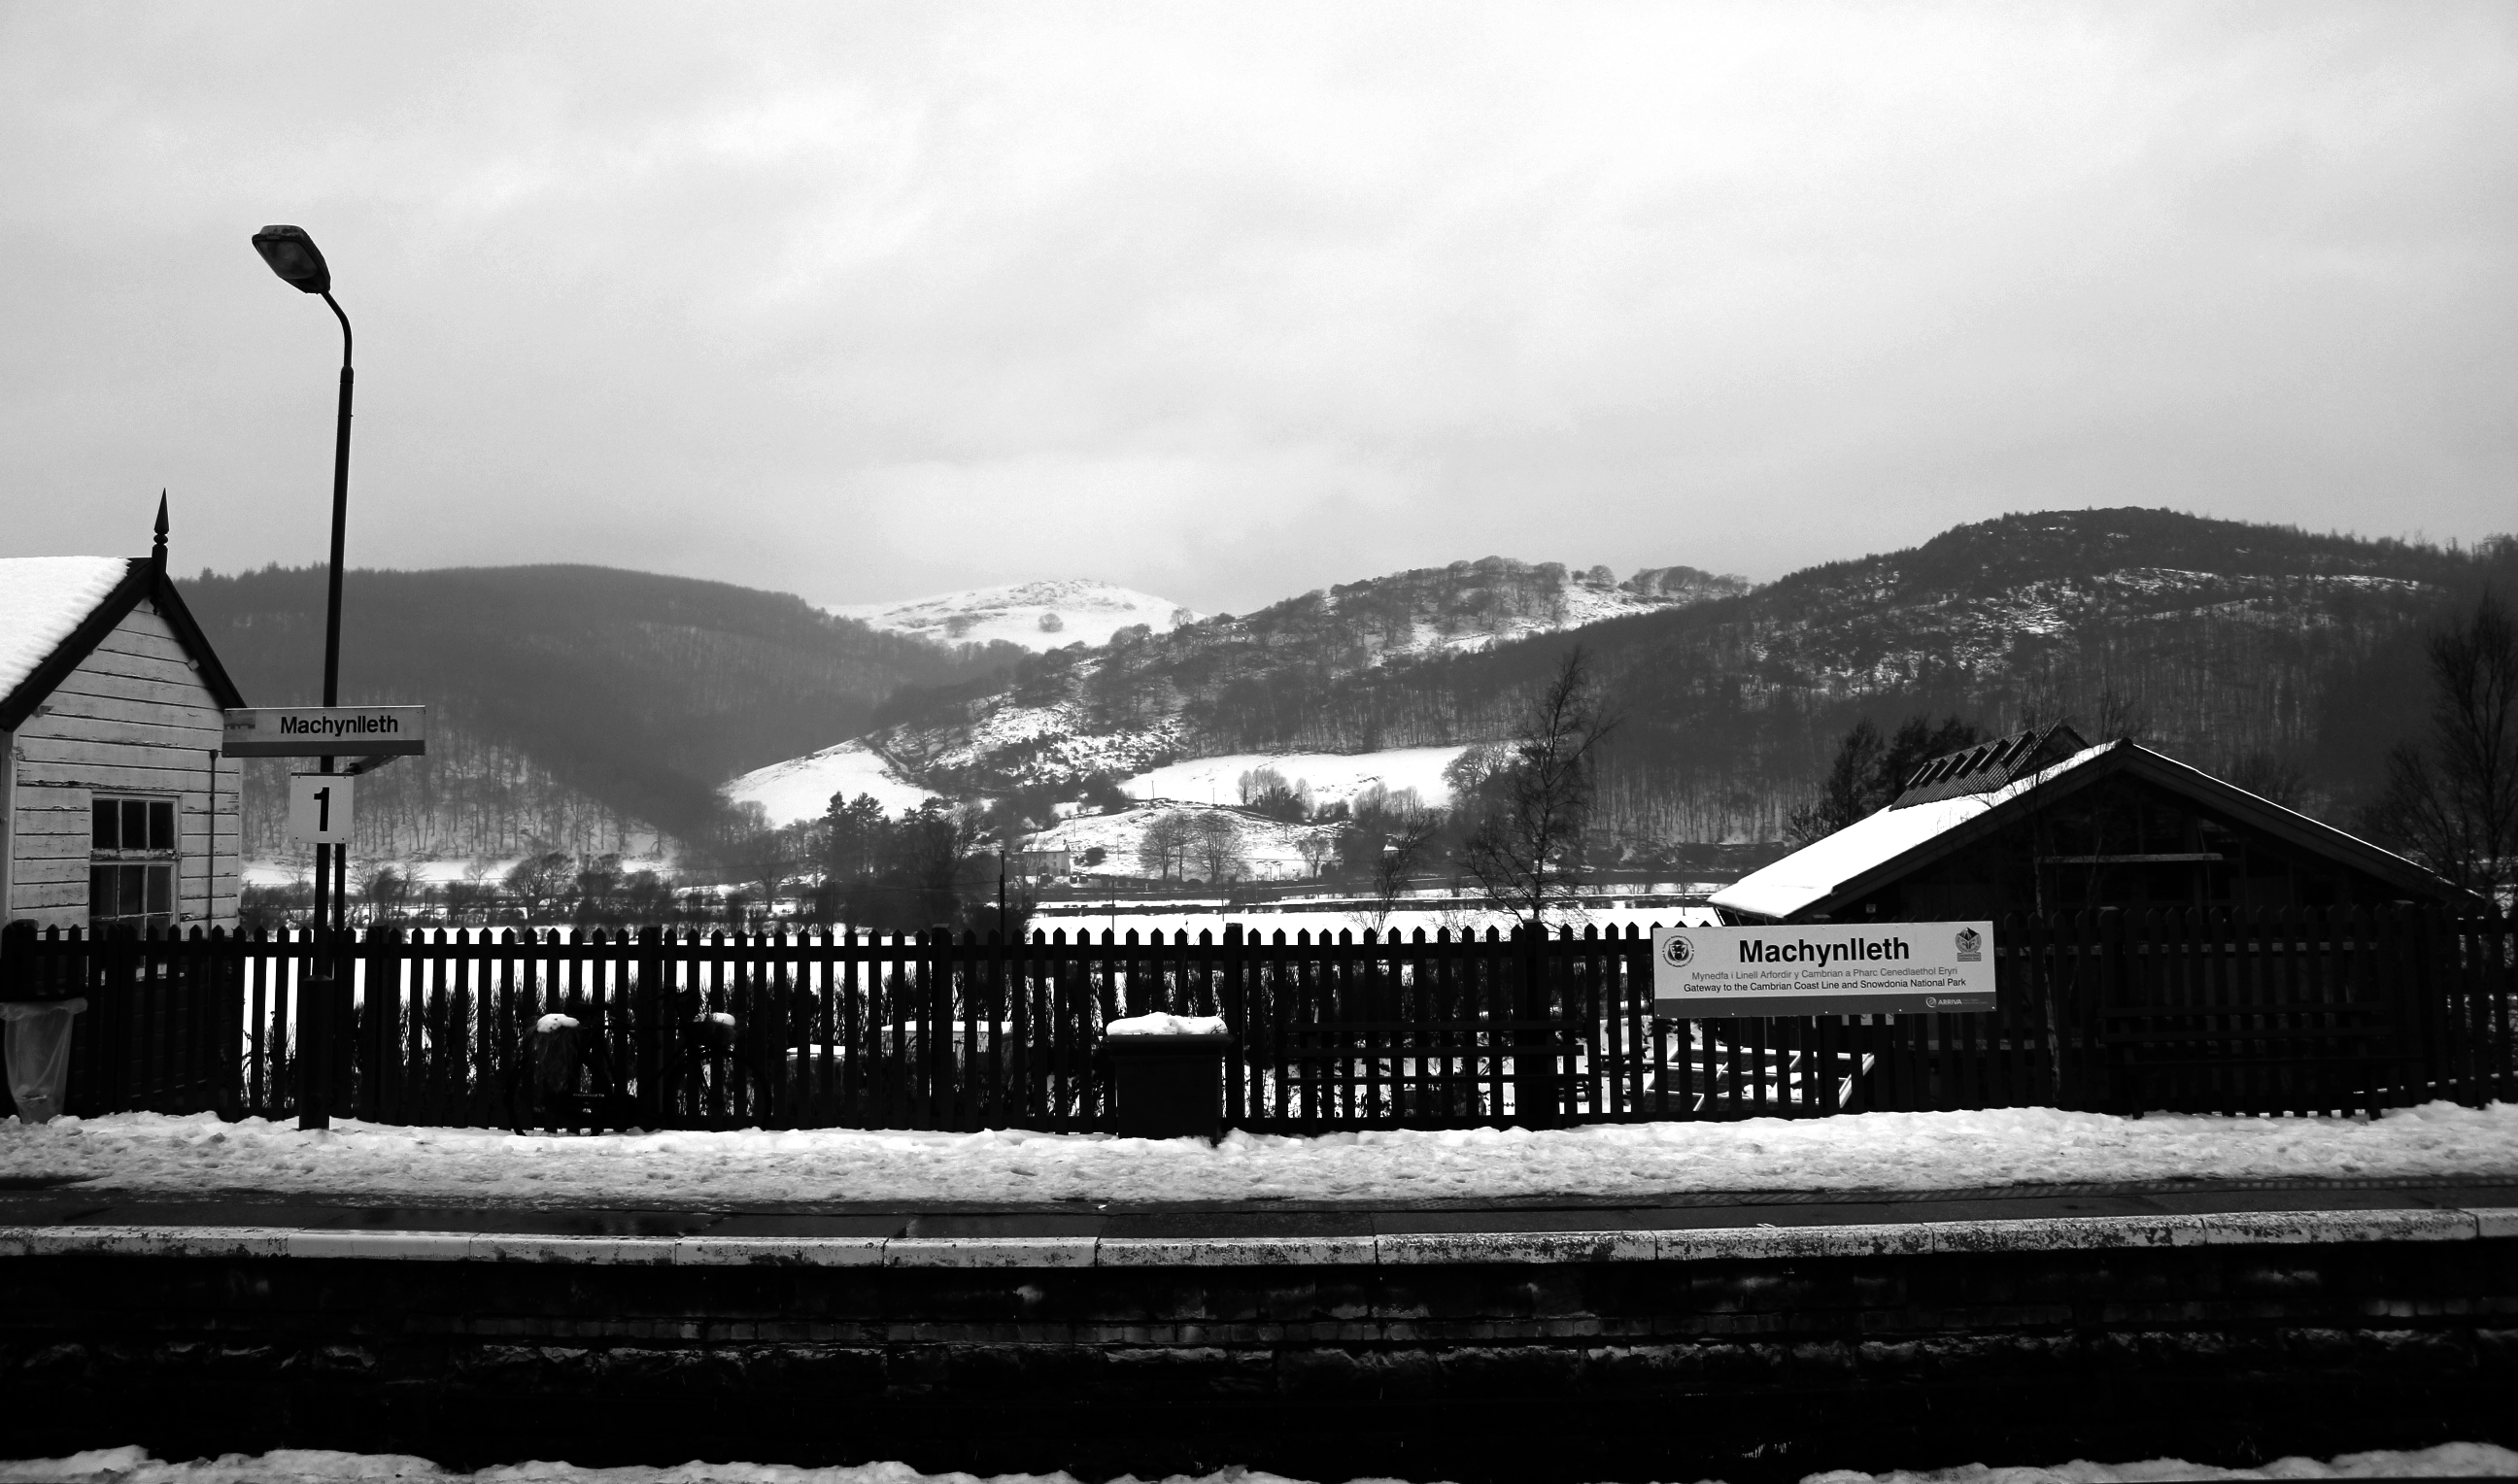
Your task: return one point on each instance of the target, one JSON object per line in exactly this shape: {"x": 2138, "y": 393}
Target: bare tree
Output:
{"x": 1525, "y": 843}
{"x": 1316, "y": 846}
{"x": 2455, "y": 802}
{"x": 1404, "y": 839}
{"x": 1869, "y": 772}
{"x": 1165, "y": 846}
{"x": 1215, "y": 843}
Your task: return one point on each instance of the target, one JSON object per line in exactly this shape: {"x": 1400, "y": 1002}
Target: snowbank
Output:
{"x": 134, "y": 1466}
{"x": 144, "y": 1152}
{"x": 1167, "y": 1025}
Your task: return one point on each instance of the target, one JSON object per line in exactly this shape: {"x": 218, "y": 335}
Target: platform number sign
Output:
{"x": 319, "y": 808}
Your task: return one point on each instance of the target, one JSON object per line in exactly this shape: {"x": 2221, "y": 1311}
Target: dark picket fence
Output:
{"x": 2273, "y": 1012}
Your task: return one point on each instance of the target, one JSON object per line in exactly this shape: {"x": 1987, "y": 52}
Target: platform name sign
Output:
{"x": 326, "y": 732}
{"x": 1823, "y": 968}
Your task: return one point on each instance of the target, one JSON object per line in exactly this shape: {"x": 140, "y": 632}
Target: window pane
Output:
{"x": 99, "y": 892}
{"x": 135, "y": 823}
{"x": 102, "y": 814}
{"x": 161, "y": 888}
{"x": 161, "y": 824}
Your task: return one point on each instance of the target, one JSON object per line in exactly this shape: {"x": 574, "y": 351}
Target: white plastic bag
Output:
{"x": 39, "y": 1053}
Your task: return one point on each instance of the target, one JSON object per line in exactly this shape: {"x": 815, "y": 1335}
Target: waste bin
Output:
{"x": 38, "y": 1053}
{"x": 554, "y": 1052}
{"x": 1168, "y": 1078}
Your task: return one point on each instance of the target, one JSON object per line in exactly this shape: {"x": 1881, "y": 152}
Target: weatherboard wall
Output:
{"x": 134, "y": 718}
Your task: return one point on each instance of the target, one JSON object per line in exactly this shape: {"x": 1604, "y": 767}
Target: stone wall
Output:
{"x": 1598, "y": 1365}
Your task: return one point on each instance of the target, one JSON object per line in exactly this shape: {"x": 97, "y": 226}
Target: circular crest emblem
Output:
{"x": 1678, "y": 951}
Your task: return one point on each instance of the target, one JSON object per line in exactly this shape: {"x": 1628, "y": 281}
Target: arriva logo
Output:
{"x": 1678, "y": 951}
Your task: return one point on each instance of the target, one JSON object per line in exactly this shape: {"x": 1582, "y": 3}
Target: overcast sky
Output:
{"x": 1226, "y": 303}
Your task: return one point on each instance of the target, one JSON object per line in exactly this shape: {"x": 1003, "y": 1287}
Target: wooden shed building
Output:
{"x": 2042, "y": 821}
{"x": 116, "y": 809}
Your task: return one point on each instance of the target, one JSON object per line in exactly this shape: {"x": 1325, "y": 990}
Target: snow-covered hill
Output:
{"x": 801, "y": 788}
{"x": 1036, "y": 616}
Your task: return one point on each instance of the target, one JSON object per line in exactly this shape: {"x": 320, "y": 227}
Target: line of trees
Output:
{"x": 2452, "y": 796}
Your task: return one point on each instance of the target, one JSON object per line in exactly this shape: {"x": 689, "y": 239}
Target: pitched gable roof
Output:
{"x": 54, "y": 611}
{"x": 1871, "y": 850}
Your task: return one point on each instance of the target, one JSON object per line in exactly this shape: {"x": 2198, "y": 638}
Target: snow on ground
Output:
{"x": 1428, "y": 914}
{"x": 142, "y": 1152}
{"x": 266, "y": 871}
{"x": 1270, "y": 849}
{"x": 134, "y": 1466}
{"x": 1037, "y": 615}
{"x": 801, "y": 788}
{"x": 1333, "y": 777}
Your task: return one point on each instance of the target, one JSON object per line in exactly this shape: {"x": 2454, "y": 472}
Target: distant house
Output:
{"x": 2041, "y": 822}
{"x": 1037, "y": 865}
{"x": 116, "y": 809}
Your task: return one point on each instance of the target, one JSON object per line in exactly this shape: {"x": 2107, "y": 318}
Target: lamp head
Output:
{"x": 293, "y": 255}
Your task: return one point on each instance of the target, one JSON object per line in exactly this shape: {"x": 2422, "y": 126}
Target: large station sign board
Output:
{"x": 1823, "y": 968}
{"x": 327, "y": 731}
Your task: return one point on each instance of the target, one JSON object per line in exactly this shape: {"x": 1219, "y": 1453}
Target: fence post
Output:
{"x": 1535, "y": 1049}
{"x": 380, "y": 1009}
{"x": 2113, "y": 978}
{"x": 1235, "y": 1019}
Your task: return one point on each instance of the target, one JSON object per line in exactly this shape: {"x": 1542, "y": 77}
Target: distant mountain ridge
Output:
{"x": 578, "y": 705}
{"x": 1033, "y": 615}
{"x": 1230, "y": 684}
{"x": 2229, "y": 643}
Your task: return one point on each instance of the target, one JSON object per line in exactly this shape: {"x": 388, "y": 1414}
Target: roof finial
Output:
{"x": 158, "y": 553}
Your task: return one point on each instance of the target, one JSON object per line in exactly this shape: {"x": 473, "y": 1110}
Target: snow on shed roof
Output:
{"x": 43, "y": 600}
{"x": 1815, "y": 870}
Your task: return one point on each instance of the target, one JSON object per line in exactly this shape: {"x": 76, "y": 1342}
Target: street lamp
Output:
{"x": 299, "y": 263}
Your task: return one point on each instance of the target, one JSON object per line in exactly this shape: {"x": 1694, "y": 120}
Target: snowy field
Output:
{"x": 144, "y": 1152}
{"x": 1333, "y": 777}
{"x": 1270, "y": 849}
{"x": 134, "y": 1466}
{"x": 1319, "y": 919}
{"x": 801, "y": 788}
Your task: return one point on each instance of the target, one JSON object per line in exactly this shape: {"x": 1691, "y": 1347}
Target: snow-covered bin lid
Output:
{"x": 12, "y": 1011}
{"x": 555, "y": 1022}
{"x": 1167, "y": 1025}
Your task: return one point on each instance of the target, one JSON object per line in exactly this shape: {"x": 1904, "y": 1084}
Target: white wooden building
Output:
{"x": 116, "y": 807}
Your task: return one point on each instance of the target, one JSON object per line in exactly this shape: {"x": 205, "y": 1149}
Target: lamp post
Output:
{"x": 299, "y": 263}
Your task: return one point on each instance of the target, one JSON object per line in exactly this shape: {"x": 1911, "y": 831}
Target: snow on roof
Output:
{"x": 1817, "y": 868}
{"x": 43, "y": 600}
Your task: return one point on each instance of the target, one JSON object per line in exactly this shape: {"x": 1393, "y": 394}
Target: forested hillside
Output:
{"x": 1227, "y": 683}
{"x": 2261, "y": 650}
{"x": 575, "y": 706}
{"x": 578, "y": 707}
{"x": 2255, "y": 648}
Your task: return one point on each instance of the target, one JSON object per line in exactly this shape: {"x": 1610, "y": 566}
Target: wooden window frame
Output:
{"x": 150, "y": 869}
